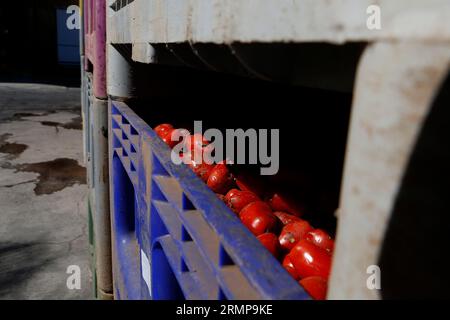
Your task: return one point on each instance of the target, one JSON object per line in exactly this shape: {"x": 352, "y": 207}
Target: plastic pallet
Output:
{"x": 172, "y": 237}
{"x": 94, "y": 19}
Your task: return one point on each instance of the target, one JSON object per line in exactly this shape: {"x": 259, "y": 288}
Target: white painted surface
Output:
{"x": 395, "y": 87}
{"x": 145, "y": 267}
{"x": 227, "y": 21}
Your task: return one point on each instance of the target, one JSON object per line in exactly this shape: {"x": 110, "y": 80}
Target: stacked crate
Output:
{"x": 170, "y": 234}
{"x": 95, "y": 113}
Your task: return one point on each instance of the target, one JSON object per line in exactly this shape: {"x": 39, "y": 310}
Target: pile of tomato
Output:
{"x": 305, "y": 252}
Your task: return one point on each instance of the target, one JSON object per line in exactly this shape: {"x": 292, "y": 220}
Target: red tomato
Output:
{"x": 170, "y": 138}
{"x": 202, "y": 170}
{"x": 293, "y": 233}
{"x": 237, "y": 199}
{"x": 167, "y": 138}
{"x": 270, "y": 241}
{"x": 287, "y": 264}
{"x": 220, "y": 180}
{"x": 258, "y": 218}
{"x": 232, "y": 193}
{"x": 196, "y": 141}
{"x": 221, "y": 197}
{"x": 257, "y": 206}
{"x": 286, "y": 218}
{"x": 247, "y": 182}
{"x": 199, "y": 147}
{"x": 163, "y": 129}
{"x": 321, "y": 239}
{"x": 316, "y": 287}
{"x": 309, "y": 260}
{"x": 279, "y": 202}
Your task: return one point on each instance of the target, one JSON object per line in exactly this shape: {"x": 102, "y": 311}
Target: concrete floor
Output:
{"x": 43, "y": 217}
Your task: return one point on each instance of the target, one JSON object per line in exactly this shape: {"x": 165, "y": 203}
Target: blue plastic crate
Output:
{"x": 173, "y": 237}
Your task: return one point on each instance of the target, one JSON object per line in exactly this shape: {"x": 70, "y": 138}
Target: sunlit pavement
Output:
{"x": 43, "y": 217}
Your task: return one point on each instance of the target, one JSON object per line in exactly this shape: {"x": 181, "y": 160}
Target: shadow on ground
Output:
{"x": 19, "y": 262}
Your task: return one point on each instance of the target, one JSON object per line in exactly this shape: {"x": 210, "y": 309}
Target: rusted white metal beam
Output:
{"x": 395, "y": 87}
{"x": 228, "y": 21}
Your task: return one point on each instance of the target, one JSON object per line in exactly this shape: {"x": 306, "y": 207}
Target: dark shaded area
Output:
{"x": 20, "y": 115}
{"x": 313, "y": 125}
{"x": 414, "y": 259}
{"x": 4, "y": 137}
{"x": 75, "y": 124}
{"x": 28, "y": 43}
{"x": 13, "y": 149}
{"x": 18, "y": 263}
{"x": 119, "y": 4}
{"x": 55, "y": 175}
{"x": 51, "y": 124}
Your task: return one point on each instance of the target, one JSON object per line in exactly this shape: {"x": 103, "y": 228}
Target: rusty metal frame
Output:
{"x": 98, "y": 180}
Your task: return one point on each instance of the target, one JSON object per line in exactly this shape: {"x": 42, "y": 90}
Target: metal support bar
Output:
{"x": 395, "y": 87}
{"x": 99, "y": 185}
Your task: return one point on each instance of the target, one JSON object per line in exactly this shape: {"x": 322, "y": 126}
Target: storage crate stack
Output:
{"x": 172, "y": 238}
{"x": 95, "y": 113}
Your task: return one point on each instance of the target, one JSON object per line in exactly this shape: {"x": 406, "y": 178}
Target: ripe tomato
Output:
{"x": 247, "y": 182}
{"x": 232, "y": 193}
{"x": 286, "y": 218}
{"x": 202, "y": 170}
{"x": 316, "y": 287}
{"x": 287, "y": 264}
{"x": 221, "y": 197}
{"x": 258, "y": 218}
{"x": 309, "y": 260}
{"x": 167, "y": 138}
{"x": 162, "y": 129}
{"x": 220, "y": 179}
{"x": 257, "y": 206}
{"x": 293, "y": 233}
{"x": 270, "y": 241}
{"x": 172, "y": 137}
{"x": 280, "y": 202}
{"x": 321, "y": 239}
{"x": 237, "y": 199}
{"x": 196, "y": 141}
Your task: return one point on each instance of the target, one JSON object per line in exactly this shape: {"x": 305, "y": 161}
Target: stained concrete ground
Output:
{"x": 43, "y": 216}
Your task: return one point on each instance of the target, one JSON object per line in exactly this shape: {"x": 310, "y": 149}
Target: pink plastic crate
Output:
{"x": 95, "y": 44}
